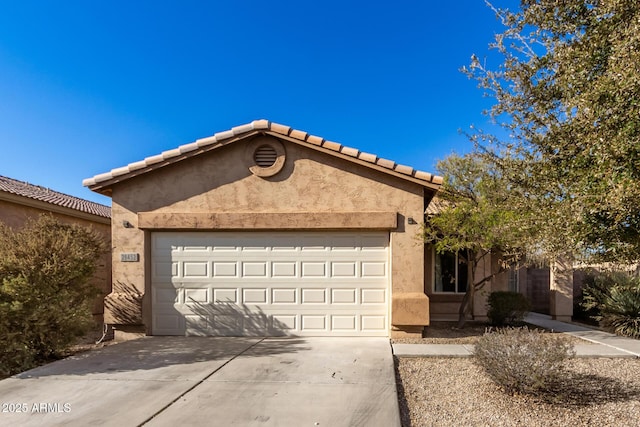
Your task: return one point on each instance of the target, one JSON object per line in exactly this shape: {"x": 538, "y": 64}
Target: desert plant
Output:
{"x": 596, "y": 287}
{"x": 621, "y": 310}
{"x": 507, "y": 308}
{"x": 522, "y": 360}
{"x": 45, "y": 294}
{"x": 614, "y": 297}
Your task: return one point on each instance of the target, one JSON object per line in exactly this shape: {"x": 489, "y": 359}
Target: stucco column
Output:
{"x": 561, "y": 289}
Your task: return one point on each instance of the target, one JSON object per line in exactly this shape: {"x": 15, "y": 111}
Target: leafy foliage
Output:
{"x": 567, "y": 95}
{"x": 524, "y": 361}
{"x": 507, "y": 308}
{"x": 478, "y": 221}
{"x": 45, "y": 294}
{"x": 615, "y": 298}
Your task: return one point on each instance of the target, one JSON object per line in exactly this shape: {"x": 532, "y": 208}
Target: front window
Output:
{"x": 450, "y": 273}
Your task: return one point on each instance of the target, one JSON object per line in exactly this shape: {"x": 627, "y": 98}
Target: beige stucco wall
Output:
{"x": 220, "y": 182}
{"x": 15, "y": 215}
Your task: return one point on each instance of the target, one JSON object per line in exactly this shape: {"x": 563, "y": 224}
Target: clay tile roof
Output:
{"x": 47, "y": 195}
{"x": 259, "y": 126}
{"x": 436, "y": 206}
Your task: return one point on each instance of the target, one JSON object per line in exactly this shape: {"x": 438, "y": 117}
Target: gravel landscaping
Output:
{"x": 455, "y": 392}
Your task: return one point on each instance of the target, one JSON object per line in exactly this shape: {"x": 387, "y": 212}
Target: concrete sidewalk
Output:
{"x": 603, "y": 344}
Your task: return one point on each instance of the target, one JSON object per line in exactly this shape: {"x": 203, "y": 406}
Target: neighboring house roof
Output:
{"x": 53, "y": 198}
{"x": 102, "y": 182}
{"x": 436, "y": 206}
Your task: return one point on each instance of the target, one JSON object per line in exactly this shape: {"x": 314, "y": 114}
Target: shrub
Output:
{"x": 507, "y": 308}
{"x": 614, "y": 297}
{"x": 45, "y": 294}
{"x": 524, "y": 361}
{"x": 621, "y": 310}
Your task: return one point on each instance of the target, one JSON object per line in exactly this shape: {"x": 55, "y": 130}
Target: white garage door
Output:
{"x": 267, "y": 283}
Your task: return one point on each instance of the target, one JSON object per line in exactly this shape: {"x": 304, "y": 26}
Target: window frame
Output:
{"x": 456, "y": 275}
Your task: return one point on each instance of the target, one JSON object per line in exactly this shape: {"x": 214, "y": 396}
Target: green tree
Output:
{"x": 45, "y": 289}
{"x": 567, "y": 95}
{"x": 479, "y": 221}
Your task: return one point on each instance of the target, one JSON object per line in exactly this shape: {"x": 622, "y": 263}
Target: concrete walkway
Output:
{"x": 202, "y": 381}
{"x": 603, "y": 344}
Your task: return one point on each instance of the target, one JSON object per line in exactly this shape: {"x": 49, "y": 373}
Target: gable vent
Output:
{"x": 265, "y": 156}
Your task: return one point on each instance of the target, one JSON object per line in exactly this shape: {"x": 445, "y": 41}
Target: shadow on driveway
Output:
{"x": 152, "y": 353}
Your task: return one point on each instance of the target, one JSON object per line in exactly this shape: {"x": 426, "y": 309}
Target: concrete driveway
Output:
{"x": 159, "y": 381}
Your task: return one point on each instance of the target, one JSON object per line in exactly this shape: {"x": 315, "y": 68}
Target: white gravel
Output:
{"x": 455, "y": 392}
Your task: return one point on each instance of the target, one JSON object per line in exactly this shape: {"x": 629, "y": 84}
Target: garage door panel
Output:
{"x": 343, "y": 296}
{"x": 344, "y": 323}
{"x": 373, "y": 323}
{"x": 284, "y": 269}
{"x": 270, "y": 284}
{"x": 196, "y": 296}
{"x": 314, "y": 296}
{"x": 225, "y": 269}
{"x": 226, "y": 295}
{"x": 373, "y": 296}
{"x": 284, "y": 296}
{"x": 196, "y": 269}
{"x": 314, "y": 269}
{"x": 254, "y": 296}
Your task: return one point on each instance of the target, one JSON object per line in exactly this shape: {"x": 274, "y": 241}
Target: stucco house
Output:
{"x": 267, "y": 230}
{"x": 21, "y": 201}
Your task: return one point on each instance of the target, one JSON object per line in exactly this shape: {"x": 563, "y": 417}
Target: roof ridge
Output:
{"x": 54, "y": 197}
{"x": 220, "y": 138}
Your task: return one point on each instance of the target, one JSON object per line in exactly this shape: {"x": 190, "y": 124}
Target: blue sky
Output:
{"x": 86, "y": 87}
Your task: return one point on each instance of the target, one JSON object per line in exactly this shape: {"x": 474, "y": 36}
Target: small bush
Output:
{"x": 524, "y": 361}
{"x": 45, "y": 294}
{"x": 507, "y": 308}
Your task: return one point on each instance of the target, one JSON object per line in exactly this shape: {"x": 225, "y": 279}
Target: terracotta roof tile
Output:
{"x": 149, "y": 160}
{"x": 298, "y": 134}
{"x": 425, "y": 176}
{"x": 331, "y": 145}
{"x": 260, "y": 124}
{"x": 349, "y": 151}
{"x": 223, "y": 135}
{"x": 389, "y": 164}
{"x": 221, "y": 138}
{"x": 239, "y": 130}
{"x": 206, "y": 141}
{"x": 368, "y": 157}
{"x": 137, "y": 165}
{"x": 406, "y": 170}
{"x": 43, "y": 194}
{"x": 315, "y": 140}
{"x": 281, "y": 129}
{"x": 188, "y": 147}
